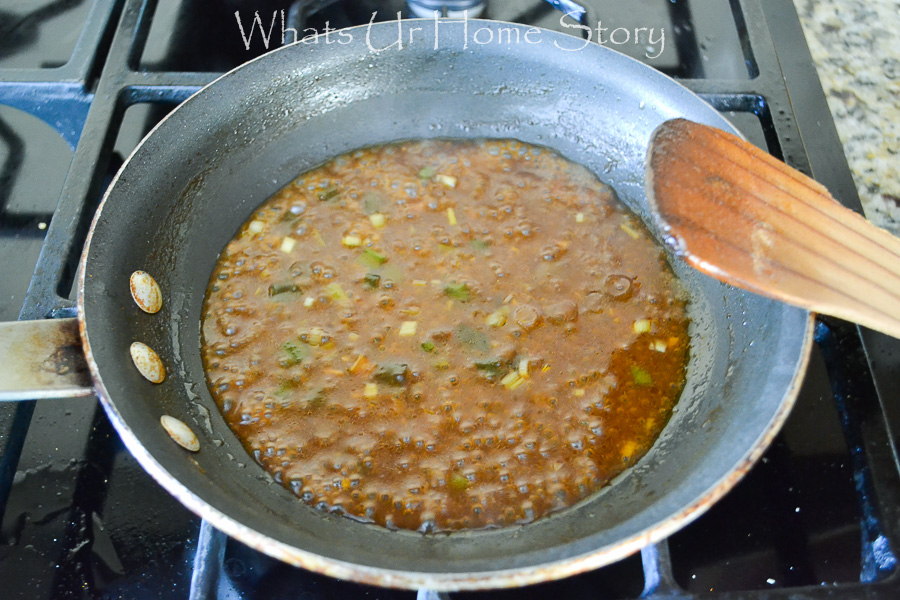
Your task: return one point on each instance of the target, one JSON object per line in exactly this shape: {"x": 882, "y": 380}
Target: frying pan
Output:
{"x": 200, "y": 173}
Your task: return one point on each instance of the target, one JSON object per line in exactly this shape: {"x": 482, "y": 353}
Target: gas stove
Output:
{"x": 81, "y": 81}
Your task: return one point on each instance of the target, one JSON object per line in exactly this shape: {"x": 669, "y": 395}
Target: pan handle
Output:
{"x": 42, "y": 359}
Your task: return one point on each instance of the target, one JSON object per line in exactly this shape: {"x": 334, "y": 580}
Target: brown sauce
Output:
{"x": 440, "y": 335}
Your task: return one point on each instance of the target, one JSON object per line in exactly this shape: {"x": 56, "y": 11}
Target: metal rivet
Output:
{"x": 180, "y": 432}
{"x": 148, "y": 362}
{"x": 145, "y": 292}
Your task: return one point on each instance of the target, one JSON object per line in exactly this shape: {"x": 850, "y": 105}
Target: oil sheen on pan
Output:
{"x": 444, "y": 335}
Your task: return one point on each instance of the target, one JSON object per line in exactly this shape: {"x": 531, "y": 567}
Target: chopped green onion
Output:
{"x": 295, "y": 353}
{"x": 428, "y": 346}
{"x": 641, "y": 376}
{"x": 498, "y": 317}
{"x": 287, "y": 245}
{"x": 511, "y": 379}
{"x": 392, "y": 374}
{"x": 283, "y": 288}
{"x": 316, "y": 400}
{"x": 337, "y": 293}
{"x": 286, "y": 386}
{"x": 446, "y": 180}
{"x": 473, "y": 338}
{"x": 426, "y": 172}
{"x": 373, "y": 280}
{"x": 360, "y": 363}
{"x": 480, "y": 245}
{"x": 371, "y": 203}
{"x": 458, "y": 482}
{"x": 372, "y": 259}
{"x": 329, "y": 193}
{"x": 491, "y": 367}
{"x": 630, "y": 231}
{"x": 458, "y": 291}
{"x": 289, "y": 217}
{"x": 642, "y": 326}
{"x": 393, "y": 272}
{"x": 314, "y": 336}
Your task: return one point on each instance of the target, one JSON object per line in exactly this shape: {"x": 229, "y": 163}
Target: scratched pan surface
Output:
{"x": 201, "y": 172}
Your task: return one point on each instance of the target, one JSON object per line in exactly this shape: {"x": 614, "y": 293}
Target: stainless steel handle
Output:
{"x": 42, "y": 359}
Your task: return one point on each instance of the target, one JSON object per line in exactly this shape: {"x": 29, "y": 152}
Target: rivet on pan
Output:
{"x": 180, "y": 432}
{"x": 146, "y": 292}
{"x": 148, "y": 362}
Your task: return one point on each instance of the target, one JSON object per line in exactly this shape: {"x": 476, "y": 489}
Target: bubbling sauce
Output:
{"x": 443, "y": 335}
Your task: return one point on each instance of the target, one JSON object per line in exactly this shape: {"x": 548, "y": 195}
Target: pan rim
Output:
{"x": 442, "y": 581}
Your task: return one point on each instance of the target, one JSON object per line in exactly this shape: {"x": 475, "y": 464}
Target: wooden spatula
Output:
{"x": 734, "y": 212}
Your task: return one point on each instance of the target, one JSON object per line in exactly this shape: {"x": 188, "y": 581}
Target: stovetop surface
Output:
{"x": 81, "y": 81}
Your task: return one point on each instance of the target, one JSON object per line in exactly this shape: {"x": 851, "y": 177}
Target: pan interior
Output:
{"x": 187, "y": 189}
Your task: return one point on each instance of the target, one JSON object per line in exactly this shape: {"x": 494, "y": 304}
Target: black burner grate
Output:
{"x": 817, "y": 518}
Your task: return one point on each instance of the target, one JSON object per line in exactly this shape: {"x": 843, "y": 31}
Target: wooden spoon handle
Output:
{"x": 746, "y": 218}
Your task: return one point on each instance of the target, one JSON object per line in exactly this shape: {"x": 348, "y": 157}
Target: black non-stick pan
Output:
{"x": 192, "y": 182}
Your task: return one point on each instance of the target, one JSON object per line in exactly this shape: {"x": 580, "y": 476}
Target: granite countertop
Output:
{"x": 855, "y": 48}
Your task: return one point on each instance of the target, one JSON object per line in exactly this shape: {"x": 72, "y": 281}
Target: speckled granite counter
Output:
{"x": 856, "y": 50}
